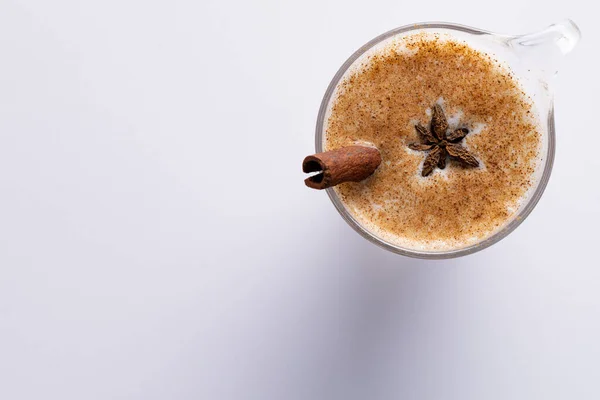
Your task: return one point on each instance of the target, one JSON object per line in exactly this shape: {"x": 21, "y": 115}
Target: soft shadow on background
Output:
{"x": 345, "y": 322}
{"x": 342, "y": 318}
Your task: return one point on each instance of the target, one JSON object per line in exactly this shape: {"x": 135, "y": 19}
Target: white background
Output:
{"x": 157, "y": 240}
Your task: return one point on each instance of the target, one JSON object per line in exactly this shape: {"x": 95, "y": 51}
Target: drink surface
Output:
{"x": 394, "y": 87}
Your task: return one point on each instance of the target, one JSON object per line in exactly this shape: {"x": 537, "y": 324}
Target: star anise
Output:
{"x": 441, "y": 144}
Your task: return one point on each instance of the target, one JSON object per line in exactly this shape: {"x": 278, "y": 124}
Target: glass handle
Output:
{"x": 545, "y": 49}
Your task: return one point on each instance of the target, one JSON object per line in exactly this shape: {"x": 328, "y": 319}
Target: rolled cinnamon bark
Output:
{"x": 346, "y": 164}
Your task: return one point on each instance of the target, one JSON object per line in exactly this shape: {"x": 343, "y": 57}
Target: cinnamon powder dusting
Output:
{"x": 382, "y": 101}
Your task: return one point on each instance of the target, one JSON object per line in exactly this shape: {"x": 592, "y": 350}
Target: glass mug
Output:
{"x": 534, "y": 58}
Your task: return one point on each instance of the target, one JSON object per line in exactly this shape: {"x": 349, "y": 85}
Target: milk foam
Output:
{"x": 398, "y": 45}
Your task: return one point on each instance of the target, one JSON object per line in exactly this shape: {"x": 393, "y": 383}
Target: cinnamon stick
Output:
{"x": 346, "y": 164}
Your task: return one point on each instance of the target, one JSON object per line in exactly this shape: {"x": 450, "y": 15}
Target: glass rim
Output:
{"x": 492, "y": 239}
